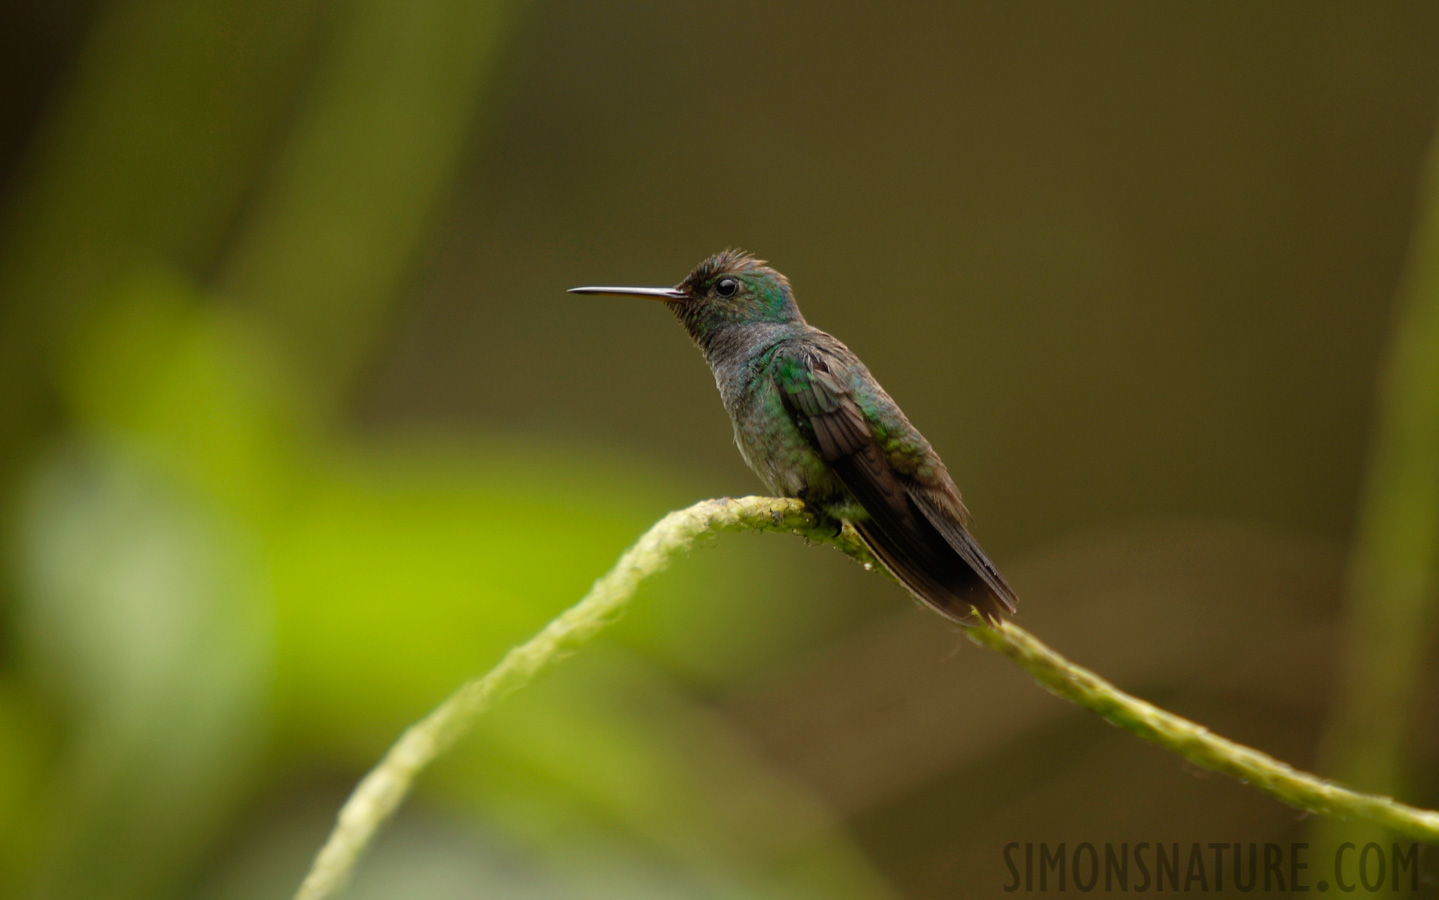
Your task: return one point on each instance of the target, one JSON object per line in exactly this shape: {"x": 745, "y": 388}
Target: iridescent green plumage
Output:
{"x": 814, "y": 424}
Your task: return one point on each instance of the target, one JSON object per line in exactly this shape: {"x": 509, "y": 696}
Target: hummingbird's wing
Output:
{"x": 916, "y": 518}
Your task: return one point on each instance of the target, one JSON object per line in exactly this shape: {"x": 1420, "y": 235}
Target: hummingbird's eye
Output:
{"x": 727, "y": 287}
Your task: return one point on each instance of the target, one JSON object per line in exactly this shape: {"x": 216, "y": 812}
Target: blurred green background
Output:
{"x": 298, "y": 428}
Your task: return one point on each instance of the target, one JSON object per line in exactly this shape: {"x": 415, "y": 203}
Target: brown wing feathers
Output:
{"x": 928, "y": 551}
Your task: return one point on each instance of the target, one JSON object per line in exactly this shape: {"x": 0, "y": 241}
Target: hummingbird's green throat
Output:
{"x": 814, "y": 424}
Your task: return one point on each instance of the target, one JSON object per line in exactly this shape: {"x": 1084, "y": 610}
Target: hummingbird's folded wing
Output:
{"x": 938, "y": 561}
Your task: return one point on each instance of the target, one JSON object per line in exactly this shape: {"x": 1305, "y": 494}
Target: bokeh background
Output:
{"x": 298, "y": 429}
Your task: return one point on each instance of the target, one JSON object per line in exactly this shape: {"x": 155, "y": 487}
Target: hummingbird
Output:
{"x": 814, "y": 424}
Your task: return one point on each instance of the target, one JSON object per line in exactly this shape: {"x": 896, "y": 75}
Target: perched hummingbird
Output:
{"x": 812, "y": 422}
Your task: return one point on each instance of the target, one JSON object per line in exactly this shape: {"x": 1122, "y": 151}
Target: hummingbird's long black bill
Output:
{"x": 652, "y": 293}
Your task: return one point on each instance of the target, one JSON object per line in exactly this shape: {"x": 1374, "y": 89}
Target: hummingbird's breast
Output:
{"x": 767, "y": 436}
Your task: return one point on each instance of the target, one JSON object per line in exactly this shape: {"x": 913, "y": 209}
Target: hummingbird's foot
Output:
{"x": 833, "y": 526}
{"x": 826, "y": 522}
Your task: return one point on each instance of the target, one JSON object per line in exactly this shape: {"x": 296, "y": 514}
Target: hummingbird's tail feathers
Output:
{"x": 958, "y": 537}
{"x": 936, "y": 576}
{"x": 930, "y": 552}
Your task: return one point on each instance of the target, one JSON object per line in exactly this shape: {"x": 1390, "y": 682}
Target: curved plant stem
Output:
{"x": 381, "y": 791}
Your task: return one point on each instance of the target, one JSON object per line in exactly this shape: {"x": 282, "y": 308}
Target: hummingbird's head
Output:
{"x": 735, "y": 288}
{"x": 728, "y": 290}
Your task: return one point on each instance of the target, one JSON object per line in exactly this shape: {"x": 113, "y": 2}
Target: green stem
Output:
{"x": 1394, "y": 571}
{"x": 382, "y": 790}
